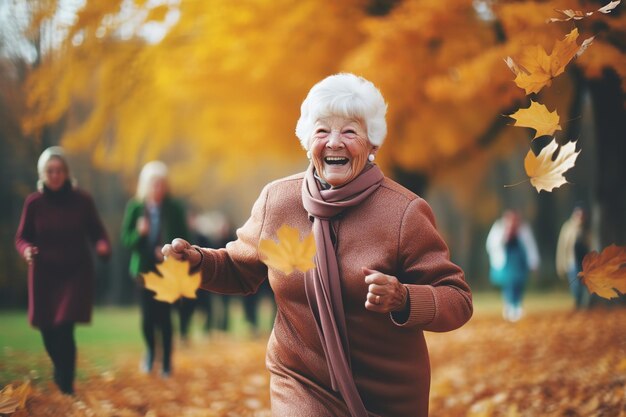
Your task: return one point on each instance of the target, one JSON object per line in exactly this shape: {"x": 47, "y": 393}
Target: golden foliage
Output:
{"x": 174, "y": 281}
{"x": 545, "y": 173}
{"x": 289, "y": 252}
{"x": 224, "y": 86}
{"x": 225, "y": 82}
{"x": 605, "y": 273}
{"x": 537, "y": 117}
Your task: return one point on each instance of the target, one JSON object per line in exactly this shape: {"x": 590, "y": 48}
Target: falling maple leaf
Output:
{"x": 541, "y": 68}
{"x": 571, "y": 15}
{"x": 289, "y": 252}
{"x": 174, "y": 282}
{"x": 513, "y": 65}
{"x": 583, "y": 46}
{"x": 546, "y": 174}
{"x": 607, "y": 9}
{"x": 537, "y": 117}
{"x": 605, "y": 273}
{"x": 578, "y": 15}
{"x": 13, "y": 398}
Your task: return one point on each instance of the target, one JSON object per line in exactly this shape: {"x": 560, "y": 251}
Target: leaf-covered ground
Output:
{"x": 552, "y": 364}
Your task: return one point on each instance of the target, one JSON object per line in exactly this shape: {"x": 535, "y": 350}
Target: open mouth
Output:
{"x": 336, "y": 160}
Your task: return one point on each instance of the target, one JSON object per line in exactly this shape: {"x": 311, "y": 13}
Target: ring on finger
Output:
{"x": 377, "y": 299}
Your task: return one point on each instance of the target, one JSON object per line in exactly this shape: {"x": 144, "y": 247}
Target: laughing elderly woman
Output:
{"x": 348, "y": 337}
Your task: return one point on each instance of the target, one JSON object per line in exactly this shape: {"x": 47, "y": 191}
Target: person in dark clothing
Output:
{"x": 152, "y": 218}
{"x": 58, "y": 227}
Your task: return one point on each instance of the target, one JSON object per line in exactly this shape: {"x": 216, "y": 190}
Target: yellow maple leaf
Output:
{"x": 605, "y": 273}
{"x": 546, "y": 174}
{"x": 175, "y": 281}
{"x": 541, "y": 68}
{"x": 537, "y": 117}
{"x": 289, "y": 252}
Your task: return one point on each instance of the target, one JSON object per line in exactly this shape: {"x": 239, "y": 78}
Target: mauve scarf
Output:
{"x": 322, "y": 284}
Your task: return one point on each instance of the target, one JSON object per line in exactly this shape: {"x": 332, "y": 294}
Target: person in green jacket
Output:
{"x": 152, "y": 218}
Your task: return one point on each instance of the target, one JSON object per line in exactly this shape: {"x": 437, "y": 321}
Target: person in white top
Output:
{"x": 512, "y": 254}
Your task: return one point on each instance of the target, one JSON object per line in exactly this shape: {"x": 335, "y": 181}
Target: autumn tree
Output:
{"x": 214, "y": 88}
{"x": 451, "y": 86}
{"x": 221, "y": 88}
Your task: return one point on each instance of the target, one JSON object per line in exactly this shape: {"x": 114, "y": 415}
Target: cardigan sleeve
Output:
{"x": 25, "y": 235}
{"x": 439, "y": 298}
{"x": 238, "y": 269}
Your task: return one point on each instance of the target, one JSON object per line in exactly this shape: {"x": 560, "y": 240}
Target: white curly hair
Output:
{"x": 345, "y": 95}
{"x": 150, "y": 171}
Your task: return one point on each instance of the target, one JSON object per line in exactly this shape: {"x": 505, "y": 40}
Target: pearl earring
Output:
{"x": 308, "y": 154}
{"x": 371, "y": 157}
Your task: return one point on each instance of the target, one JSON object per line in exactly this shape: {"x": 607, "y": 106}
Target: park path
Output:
{"x": 550, "y": 364}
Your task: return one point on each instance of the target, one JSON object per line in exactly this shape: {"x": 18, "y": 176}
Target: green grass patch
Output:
{"x": 113, "y": 335}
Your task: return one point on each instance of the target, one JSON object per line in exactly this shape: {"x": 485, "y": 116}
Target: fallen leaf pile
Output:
{"x": 12, "y": 399}
{"x": 174, "y": 283}
{"x": 555, "y": 364}
{"x": 548, "y": 365}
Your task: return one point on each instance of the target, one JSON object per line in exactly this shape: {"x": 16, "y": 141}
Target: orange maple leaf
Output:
{"x": 546, "y": 174}
{"x": 541, "y": 68}
{"x": 289, "y": 252}
{"x": 174, "y": 282}
{"x": 537, "y": 117}
{"x": 605, "y": 273}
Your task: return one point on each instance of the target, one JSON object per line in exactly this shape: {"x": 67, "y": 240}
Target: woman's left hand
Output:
{"x": 103, "y": 248}
{"x": 385, "y": 293}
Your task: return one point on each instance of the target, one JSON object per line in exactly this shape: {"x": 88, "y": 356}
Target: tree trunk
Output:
{"x": 610, "y": 122}
{"x": 610, "y": 204}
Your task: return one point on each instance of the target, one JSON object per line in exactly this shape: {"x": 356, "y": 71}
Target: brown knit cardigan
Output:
{"x": 393, "y": 231}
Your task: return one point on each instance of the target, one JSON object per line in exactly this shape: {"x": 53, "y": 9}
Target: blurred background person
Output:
{"x": 151, "y": 218}
{"x": 512, "y": 254}
{"x": 572, "y": 246}
{"x": 58, "y": 227}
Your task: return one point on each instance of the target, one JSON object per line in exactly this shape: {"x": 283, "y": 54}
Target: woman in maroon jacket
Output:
{"x": 348, "y": 337}
{"x": 59, "y": 225}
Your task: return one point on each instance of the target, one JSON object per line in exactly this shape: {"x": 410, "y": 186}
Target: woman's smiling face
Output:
{"x": 339, "y": 149}
{"x": 55, "y": 173}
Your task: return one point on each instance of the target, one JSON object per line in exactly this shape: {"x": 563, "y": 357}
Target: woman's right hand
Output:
{"x": 30, "y": 252}
{"x": 182, "y": 250}
{"x": 143, "y": 227}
